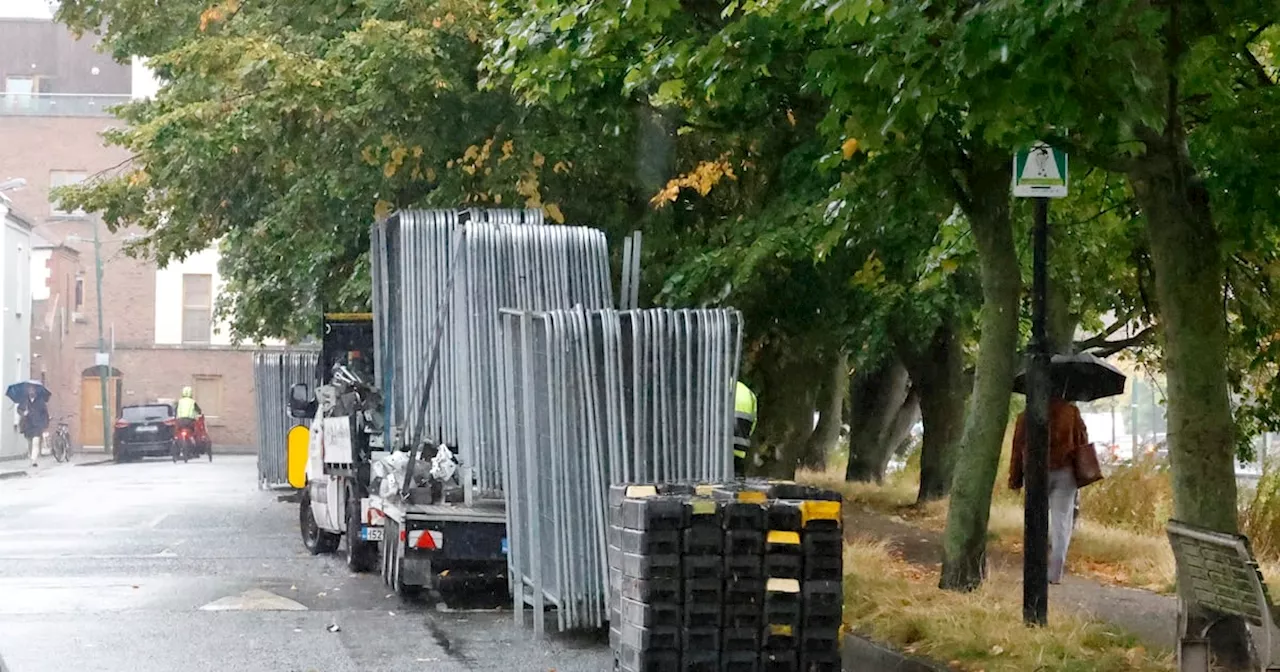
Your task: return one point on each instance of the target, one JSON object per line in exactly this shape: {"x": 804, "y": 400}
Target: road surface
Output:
{"x": 156, "y": 567}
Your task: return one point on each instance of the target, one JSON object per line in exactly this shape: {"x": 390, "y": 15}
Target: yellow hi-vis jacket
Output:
{"x": 187, "y": 408}
{"x": 744, "y": 407}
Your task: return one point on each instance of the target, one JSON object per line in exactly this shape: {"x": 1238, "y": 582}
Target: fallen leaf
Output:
{"x": 333, "y": 627}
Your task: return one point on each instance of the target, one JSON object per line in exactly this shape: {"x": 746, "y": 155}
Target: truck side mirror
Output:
{"x": 301, "y": 405}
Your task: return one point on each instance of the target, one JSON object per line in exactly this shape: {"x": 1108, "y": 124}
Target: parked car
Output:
{"x": 147, "y": 430}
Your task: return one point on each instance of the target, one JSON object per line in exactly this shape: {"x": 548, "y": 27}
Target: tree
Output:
{"x": 281, "y": 133}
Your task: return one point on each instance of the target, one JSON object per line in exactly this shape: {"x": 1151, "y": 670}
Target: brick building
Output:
{"x": 157, "y": 324}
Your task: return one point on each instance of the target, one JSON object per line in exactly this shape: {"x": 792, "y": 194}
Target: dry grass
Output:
{"x": 897, "y": 603}
{"x": 1120, "y": 538}
{"x": 1122, "y": 552}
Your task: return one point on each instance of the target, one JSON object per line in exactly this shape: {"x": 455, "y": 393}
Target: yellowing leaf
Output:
{"x": 382, "y": 209}
{"x": 702, "y": 179}
{"x": 848, "y": 148}
{"x": 871, "y": 275}
{"x": 436, "y": 22}
{"x": 367, "y": 155}
{"x": 507, "y": 148}
{"x": 553, "y": 211}
{"x": 431, "y": 174}
{"x": 791, "y": 117}
{"x": 949, "y": 265}
{"x": 208, "y": 16}
{"x": 538, "y": 159}
{"x": 389, "y": 170}
{"x": 560, "y": 167}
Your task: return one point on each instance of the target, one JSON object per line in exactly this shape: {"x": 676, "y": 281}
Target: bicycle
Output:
{"x": 60, "y": 446}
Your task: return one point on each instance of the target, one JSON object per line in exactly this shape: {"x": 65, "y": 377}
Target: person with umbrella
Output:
{"x": 1072, "y": 378}
{"x": 32, "y": 419}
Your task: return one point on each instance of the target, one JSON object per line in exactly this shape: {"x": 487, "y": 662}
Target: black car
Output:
{"x": 144, "y": 430}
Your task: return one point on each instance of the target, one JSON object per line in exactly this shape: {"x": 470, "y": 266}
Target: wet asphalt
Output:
{"x": 106, "y": 567}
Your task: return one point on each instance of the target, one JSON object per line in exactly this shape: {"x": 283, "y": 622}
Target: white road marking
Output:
{"x": 254, "y": 599}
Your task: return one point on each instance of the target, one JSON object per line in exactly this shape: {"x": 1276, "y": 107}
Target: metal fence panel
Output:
{"x": 453, "y": 271}
{"x": 592, "y": 398}
{"x": 273, "y": 374}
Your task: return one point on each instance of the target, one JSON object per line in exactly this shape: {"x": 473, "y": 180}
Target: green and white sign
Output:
{"x": 1040, "y": 172}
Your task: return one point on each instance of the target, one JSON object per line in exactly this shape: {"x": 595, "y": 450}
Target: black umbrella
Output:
{"x": 18, "y": 391}
{"x": 1081, "y": 377}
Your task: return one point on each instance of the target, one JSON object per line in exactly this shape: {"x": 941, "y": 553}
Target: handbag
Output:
{"x": 1086, "y": 466}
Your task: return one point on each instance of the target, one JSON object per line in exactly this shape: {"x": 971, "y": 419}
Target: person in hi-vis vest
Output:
{"x": 188, "y": 410}
{"x": 744, "y": 412}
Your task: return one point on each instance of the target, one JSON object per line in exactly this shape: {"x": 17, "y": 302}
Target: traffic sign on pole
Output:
{"x": 1040, "y": 172}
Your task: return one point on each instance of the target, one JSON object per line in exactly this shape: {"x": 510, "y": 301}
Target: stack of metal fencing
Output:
{"x": 591, "y": 398}
{"x": 444, "y": 274}
{"x": 273, "y": 374}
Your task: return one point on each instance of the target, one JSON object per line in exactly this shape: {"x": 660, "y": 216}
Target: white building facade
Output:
{"x": 15, "y": 320}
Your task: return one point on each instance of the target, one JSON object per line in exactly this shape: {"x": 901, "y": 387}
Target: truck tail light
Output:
{"x": 426, "y": 539}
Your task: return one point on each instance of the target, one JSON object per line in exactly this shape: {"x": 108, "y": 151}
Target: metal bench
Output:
{"x": 1218, "y": 577}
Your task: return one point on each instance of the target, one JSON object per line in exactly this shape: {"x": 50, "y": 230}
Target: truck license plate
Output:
{"x": 371, "y": 533}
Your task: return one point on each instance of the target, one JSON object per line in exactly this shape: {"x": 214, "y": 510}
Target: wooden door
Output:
{"x": 91, "y": 408}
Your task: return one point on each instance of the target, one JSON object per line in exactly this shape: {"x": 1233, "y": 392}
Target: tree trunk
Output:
{"x": 893, "y": 439}
{"x": 830, "y": 413}
{"x": 965, "y": 541}
{"x": 1189, "y": 290}
{"x": 937, "y": 374}
{"x": 877, "y": 398}
{"x": 785, "y": 411}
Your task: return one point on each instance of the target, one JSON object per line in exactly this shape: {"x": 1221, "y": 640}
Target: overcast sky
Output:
{"x": 35, "y": 9}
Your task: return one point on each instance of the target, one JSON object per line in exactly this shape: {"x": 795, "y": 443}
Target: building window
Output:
{"x": 63, "y": 178}
{"x": 20, "y": 85}
{"x": 197, "y": 308}
{"x": 208, "y": 393}
{"x": 79, "y": 293}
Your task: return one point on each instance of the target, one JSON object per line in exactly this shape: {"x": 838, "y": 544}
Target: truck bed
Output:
{"x": 481, "y": 510}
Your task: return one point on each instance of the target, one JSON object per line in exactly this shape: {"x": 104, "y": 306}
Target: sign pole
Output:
{"x": 1039, "y": 172}
{"x": 1035, "y": 565}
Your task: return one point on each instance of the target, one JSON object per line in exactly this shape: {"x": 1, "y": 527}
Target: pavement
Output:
{"x": 1149, "y": 616}
{"x": 154, "y": 566}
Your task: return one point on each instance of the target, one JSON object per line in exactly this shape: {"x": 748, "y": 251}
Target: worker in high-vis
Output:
{"x": 744, "y": 412}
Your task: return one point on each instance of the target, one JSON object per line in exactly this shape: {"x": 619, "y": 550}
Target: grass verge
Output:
{"x": 897, "y": 603}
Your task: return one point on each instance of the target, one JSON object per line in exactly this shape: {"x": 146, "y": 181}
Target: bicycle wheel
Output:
{"x": 60, "y": 448}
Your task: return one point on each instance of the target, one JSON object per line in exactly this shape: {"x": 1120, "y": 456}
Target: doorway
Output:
{"x": 91, "y": 402}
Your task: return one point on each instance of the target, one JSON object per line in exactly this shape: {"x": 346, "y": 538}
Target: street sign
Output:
{"x": 102, "y": 358}
{"x": 1040, "y": 172}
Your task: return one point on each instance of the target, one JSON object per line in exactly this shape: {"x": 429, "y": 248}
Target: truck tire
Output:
{"x": 361, "y": 555}
{"x": 315, "y": 539}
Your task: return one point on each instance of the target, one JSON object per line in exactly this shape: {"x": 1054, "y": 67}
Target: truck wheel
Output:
{"x": 361, "y": 554}
{"x": 315, "y": 539}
